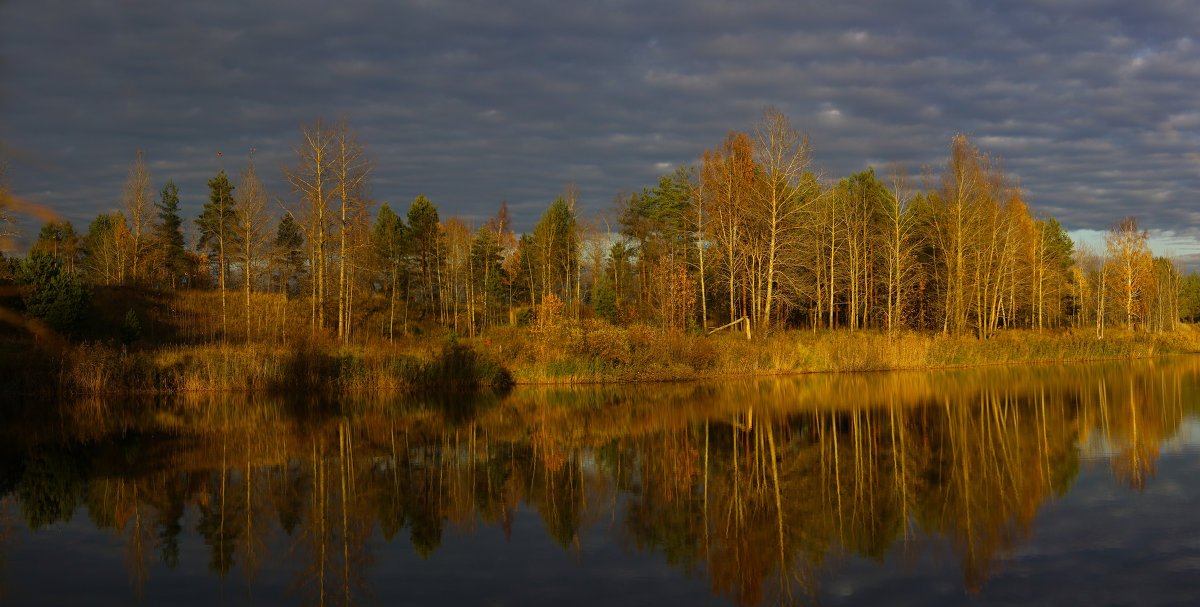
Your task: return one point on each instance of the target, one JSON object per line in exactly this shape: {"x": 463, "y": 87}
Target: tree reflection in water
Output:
{"x": 762, "y": 487}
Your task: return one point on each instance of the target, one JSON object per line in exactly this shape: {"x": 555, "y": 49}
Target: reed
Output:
{"x": 594, "y": 351}
{"x": 591, "y": 351}
{"x": 94, "y": 368}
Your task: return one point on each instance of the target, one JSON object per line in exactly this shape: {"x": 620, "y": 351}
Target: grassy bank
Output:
{"x": 587, "y": 352}
{"x": 598, "y": 352}
{"x": 93, "y": 368}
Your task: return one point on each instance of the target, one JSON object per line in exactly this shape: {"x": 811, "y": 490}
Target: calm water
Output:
{"x": 1038, "y": 485}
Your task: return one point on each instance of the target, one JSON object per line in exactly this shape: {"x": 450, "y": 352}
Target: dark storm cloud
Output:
{"x": 1092, "y": 105}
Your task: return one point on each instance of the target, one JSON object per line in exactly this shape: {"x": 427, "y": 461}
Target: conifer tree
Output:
{"x": 216, "y": 225}
{"x": 168, "y": 233}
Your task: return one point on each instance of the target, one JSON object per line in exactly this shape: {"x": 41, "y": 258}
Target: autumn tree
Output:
{"x": 138, "y": 212}
{"x": 972, "y": 222}
{"x": 1050, "y": 269}
{"x": 555, "y": 240}
{"x": 1189, "y": 297}
{"x": 102, "y": 248}
{"x": 218, "y": 228}
{"x": 728, "y": 176}
{"x": 864, "y": 204}
{"x": 659, "y": 220}
{"x": 1130, "y": 272}
{"x": 1083, "y": 283}
{"x": 784, "y": 156}
{"x": 962, "y": 191}
{"x": 506, "y": 241}
{"x": 696, "y": 195}
{"x": 1163, "y": 307}
{"x": 312, "y": 179}
{"x": 458, "y": 252}
{"x": 351, "y": 169}
{"x": 252, "y": 219}
{"x": 900, "y": 242}
{"x": 487, "y": 257}
{"x": 595, "y": 238}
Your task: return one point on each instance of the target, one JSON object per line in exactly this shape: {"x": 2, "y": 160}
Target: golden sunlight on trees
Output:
{"x": 312, "y": 181}
{"x": 217, "y": 230}
{"x": 351, "y": 169}
{"x": 1128, "y": 271}
{"x": 138, "y": 212}
{"x": 784, "y": 156}
{"x": 751, "y": 236}
{"x": 253, "y": 230}
{"x": 728, "y": 176}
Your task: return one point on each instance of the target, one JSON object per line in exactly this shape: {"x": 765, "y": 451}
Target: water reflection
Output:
{"x": 760, "y": 487}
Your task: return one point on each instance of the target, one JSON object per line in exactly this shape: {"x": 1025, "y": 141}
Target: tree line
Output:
{"x": 751, "y": 235}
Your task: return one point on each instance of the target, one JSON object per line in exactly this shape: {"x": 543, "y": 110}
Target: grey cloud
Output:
{"x": 1091, "y": 105}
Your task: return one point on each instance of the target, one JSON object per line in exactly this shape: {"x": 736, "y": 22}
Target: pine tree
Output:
{"x": 168, "y": 234}
{"x": 388, "y": 238}
{"x": 216, "y": 225}
{"x": 289, "y": 242}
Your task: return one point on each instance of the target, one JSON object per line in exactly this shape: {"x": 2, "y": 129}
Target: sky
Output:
{"x": 1093, "y": 106}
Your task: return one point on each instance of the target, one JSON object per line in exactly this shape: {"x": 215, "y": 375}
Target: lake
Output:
{"x": 1048, "y": 484}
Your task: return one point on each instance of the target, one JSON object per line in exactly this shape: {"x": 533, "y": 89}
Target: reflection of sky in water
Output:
{"x": 1102, "y": 544}
{"x": 1189, "y": 434}
{"x": 1187, "y": 437}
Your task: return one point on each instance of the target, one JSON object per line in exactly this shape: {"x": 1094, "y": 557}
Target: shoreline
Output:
{"x": 580, "y": 355}
{"x": 797, "y": 373}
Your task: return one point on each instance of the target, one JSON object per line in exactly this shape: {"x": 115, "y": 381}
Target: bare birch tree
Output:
{"x": 1130, "y": 268}
{"x": 253, "y": 231}
{"x": 139, "y": 210}
{"x": 784, "y": 156}
{"x": 962, "y": 190}
{"x": 728, "y": 174}
{"x": 900, "y": 245}
{"x": 351, "y": 170}
{"x": 312, "y": 179}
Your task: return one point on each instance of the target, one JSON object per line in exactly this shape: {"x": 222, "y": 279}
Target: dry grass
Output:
{"x": 95, "y": 368}
{"x": 595, "y": 351}
{"x": 590, "y": 351}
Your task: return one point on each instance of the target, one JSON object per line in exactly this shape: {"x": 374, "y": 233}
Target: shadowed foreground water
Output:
{"x": 1062, "y": 484}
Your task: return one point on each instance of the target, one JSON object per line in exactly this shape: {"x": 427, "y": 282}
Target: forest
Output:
{"x": 750, "y": 242}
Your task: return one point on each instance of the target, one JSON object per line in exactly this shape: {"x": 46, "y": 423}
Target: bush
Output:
{"x": 131, "y": 328}
{"x": 57, "y": 298}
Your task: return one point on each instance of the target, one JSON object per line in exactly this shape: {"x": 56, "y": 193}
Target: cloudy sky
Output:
{"x": 1093, "y": 106}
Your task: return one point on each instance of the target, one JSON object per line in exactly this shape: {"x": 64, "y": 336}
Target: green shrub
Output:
{"x": 58, "y": 298}
{"x": 131, "y": 328}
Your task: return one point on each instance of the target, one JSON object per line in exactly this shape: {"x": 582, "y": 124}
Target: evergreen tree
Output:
{"x": 289, "y": 241}
{"x": 424, "y": 233}
{"x": 60, "y": 241}
{"x": 216, "y": 225}
{"x": 486, "y": 263}
{"x": 56, "y": 297}
{"x": 388, "y": 238}
{"x": 168, "y": 234}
